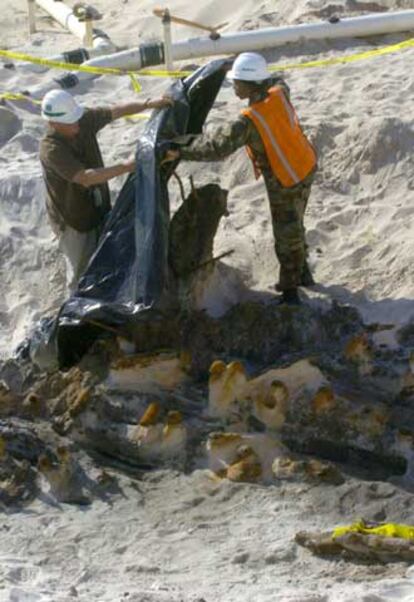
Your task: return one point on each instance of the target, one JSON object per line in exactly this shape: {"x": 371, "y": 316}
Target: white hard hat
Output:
{"x": 249, "y": 67}
{"x": 60, "y": 106}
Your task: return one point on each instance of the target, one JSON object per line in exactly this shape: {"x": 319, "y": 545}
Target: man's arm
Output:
{"x": 100, "y": 175}
{"x": 61, "y": 160}
{"x": 218, "y": 145}
{"x": 131, "y": 108}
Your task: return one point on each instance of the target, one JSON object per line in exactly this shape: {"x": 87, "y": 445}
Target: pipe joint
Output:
{"x": 151, "y": 54}
{"x": 77, "y": 56}
{"x": 70, "y": 80}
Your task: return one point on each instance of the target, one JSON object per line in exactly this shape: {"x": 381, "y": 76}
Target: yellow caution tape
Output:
{"x": 20, "y": 56}
{"x": 136, "y": 86}
{"x": 164, "y": 73}
{"x": 346, "y": 59}
{"x": 16, "y": 96}
{"x": 385, "y": 530}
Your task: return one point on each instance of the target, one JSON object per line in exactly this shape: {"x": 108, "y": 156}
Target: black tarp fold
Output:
{"x": 127, "y": 278}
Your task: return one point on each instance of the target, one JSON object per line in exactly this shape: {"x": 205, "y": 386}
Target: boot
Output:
{"x": 306, "y": 278}
{"x": 290, "y": 297}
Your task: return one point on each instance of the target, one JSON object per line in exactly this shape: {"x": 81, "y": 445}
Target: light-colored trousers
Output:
{"x": 78, "y": 248}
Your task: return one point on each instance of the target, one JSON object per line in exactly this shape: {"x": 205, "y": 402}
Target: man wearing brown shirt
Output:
{"x": 78, "y": 198}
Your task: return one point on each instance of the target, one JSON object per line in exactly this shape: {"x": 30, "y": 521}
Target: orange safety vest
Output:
{"x": 291, "y": 156}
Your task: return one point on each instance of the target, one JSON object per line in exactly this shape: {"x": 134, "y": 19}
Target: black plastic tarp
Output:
{"x": 127, "y": 277}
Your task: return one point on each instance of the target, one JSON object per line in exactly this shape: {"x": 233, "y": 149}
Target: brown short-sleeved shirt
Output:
{"x": 62, "y": 158}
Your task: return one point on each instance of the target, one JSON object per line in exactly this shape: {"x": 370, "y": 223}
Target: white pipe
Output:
{"x": 65, "y": 16}
{"x": 368, "y": 25}
{"x": 150, "y": 55}
{"x": 98, "y": 42}
{"x": 270, "y": 37}
{"x": 101, "y": 46}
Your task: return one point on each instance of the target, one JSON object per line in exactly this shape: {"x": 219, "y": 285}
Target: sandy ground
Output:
{"x": 173, "y": 537}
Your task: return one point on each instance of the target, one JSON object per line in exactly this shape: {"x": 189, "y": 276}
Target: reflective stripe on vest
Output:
{"x": 290, "y": 154}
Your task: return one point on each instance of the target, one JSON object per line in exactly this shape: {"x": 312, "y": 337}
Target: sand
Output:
{"x": 236, "y": 542}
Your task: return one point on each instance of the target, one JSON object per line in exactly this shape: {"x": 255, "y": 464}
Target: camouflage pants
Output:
{"x": 287, "y": 206}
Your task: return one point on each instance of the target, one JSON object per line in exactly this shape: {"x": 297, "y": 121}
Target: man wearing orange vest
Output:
{"x": 269, "y": 129}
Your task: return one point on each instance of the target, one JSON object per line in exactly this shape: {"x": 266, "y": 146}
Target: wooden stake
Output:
{"x": 159, "y": 12}
{"x": 166, "y": 22}
{"x": 31, "y": 9}
{"x": 88, "y": 37}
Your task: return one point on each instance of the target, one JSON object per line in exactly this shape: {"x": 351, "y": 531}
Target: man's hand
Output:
{"x": 130, "y": 166}
{"x": 170, "y": 155}
{"x": 132, "y": 108}
{"x": 160, "y": 103}
{"x": 100, "y": 175}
